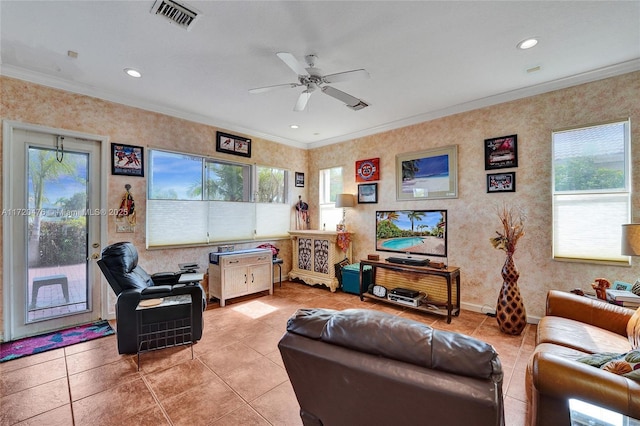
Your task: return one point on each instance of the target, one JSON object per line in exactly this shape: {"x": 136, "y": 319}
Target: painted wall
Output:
{"x": 34, "y": 104}
{"x": 472, "y": 218}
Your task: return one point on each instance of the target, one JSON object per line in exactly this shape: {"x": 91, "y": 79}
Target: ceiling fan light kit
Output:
{"x": 312, "y": 79}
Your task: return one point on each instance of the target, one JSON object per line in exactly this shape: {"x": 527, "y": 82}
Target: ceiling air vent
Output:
{"x": 178, "y": 14}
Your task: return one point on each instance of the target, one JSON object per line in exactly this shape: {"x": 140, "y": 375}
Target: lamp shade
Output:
{"x": 345, "y": 200}
{"x": 631, "y": 239}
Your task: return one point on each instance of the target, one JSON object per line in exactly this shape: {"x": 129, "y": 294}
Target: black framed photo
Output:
{"x": 501, "y": 153}
{"x": 300, "y": 179}
{"x": 367, "y": 193}
{"x": 501, "y": 182}
{"x": 127, "y": 160}
{"x": 231, "y": 144}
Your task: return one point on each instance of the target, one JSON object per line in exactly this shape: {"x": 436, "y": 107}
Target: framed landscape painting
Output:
{"x": 428, "y": 174}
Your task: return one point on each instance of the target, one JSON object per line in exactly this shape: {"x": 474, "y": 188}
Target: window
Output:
{"x": 591, "y": 191}
{"x": 198, "y": 200}
{"x": 330, "y": 186}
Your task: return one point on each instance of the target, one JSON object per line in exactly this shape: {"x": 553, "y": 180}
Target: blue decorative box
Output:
{"x": 351, "y": 278}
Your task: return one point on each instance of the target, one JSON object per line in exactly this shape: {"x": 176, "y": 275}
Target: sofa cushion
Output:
{"x": 633, "y": 330}
{"x": 580, "y": 336}
{"x": 626, "y": 364}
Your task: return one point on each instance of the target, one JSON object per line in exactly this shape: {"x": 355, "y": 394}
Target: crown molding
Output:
{"x": 562, "y": 83}
{"x": 87, "y": 90}
{"x": 538, "y": 89}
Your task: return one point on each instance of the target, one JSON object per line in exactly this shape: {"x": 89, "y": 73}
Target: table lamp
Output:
{"x": 631, "y": 246}
{"x": 344, "y": 201}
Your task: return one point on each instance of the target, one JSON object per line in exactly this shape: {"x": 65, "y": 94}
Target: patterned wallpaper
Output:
{"x": 472, "y": 219}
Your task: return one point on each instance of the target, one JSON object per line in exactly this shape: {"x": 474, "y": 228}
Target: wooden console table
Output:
{"x": 443, "y": 297}
{"x": 314, "y": 255}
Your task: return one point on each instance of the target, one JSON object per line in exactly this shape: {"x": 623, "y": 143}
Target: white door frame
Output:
{"x": 7, "y": 194}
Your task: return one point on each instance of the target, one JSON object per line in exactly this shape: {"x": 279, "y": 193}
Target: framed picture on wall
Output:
{"x": 428, "y": 174}
{"x": 501, "y": 153}
{"x": 127, "y": 160}
{"x": 367, "y": 193}
{"x": 231, "y": 144}
{"x": 501, "y": 182}
{"x": 300, "y": 179}
{"x": 368, "y": 170}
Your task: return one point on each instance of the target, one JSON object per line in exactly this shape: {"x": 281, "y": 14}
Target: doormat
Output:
{"x": 58, "y": 339}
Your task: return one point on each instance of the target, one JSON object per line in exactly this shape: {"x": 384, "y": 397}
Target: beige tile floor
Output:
{"x": 236, "y": 377}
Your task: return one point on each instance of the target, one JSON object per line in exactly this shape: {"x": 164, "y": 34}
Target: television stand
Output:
{"x": 443, "y": 297}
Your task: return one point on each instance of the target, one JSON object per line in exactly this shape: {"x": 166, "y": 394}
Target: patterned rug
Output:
{"x": 55, "y": 340}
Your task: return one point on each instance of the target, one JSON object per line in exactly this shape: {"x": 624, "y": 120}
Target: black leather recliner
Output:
{"x": 119, "y": 264}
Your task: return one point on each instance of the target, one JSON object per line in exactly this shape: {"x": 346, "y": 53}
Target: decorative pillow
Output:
{"x": 633, "y": 330}
{"x": 627, "y": 365}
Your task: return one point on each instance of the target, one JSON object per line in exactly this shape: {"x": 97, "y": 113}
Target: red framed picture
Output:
{"x": 368, "y": 170}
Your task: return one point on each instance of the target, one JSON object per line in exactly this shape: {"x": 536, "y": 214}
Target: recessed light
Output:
{"x": 133, "y": 73}
{"x": 294, "y": 126}
{"x": 528, "y": 43}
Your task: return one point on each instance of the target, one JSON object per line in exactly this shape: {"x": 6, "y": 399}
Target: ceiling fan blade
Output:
{"x": 292, "y": 63}
{"x": 274, "y": 87}
{"x": 340, "y": 95}
{"x": 351, "y": 101}
{"x": 301, "y": 104}
{"x": 346, "y": 75}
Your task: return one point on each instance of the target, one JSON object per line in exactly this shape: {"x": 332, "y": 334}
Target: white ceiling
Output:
{"x": 426, "y": 58}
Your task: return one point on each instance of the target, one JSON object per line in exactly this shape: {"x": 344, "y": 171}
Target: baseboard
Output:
{"x": 491, "y": 311}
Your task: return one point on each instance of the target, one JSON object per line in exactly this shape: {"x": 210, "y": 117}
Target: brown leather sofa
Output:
{"x": 574, "y": 327}
{"x": 364, "y": 367}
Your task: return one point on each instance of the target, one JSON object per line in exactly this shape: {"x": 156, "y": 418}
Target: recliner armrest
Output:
{"x": 157, "y": 289}
{"x": 562, "y": 378}
{"x": 165, "y": 278}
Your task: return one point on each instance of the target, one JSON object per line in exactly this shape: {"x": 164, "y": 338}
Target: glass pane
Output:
{"x": 590, "y": 159}
{"x": 271, "y": 185}
{"x": 228, "y": 182}
{"x": 174, "y": 176}
{"x": 335, "y": 183}
{"x": 57, "y": 234}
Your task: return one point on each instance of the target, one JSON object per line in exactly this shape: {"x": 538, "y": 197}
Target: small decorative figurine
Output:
{"x": 600, "y": 286}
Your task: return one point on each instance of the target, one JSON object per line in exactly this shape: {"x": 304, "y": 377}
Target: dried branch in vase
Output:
{"x": 512, "y": 219}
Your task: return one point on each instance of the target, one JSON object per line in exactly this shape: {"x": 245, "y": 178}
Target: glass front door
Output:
{"x": 55, "y": 231}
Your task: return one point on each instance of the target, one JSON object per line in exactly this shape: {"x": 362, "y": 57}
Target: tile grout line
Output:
{"x": 66, "y": 369}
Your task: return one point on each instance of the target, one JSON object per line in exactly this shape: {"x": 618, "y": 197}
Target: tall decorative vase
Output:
{"x": 510, "y": 311}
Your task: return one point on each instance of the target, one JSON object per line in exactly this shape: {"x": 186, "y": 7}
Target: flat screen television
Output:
{"x": 422, "y": 232}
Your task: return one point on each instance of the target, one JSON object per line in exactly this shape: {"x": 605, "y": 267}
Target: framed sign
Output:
{"x": 428, "y": 174}
{"x": 368, "y": 170}
{"x": 233, "y": 144}
{"x": 501, "y": 153}
{"x": 127, "y": 160}
{"x": 367, "y": 193}
{"x": 501, "y": 182}
{"x": 300, "y": 179}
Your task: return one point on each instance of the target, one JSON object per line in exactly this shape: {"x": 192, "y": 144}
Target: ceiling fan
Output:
{"x": 312, "y": 79}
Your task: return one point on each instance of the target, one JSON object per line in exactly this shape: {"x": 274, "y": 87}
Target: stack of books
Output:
{"x": 623, "y": 298}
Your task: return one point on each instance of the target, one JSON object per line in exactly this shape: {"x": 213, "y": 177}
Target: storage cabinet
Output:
{"x": 234, "y": 274}
{"x": 314, "y": 255}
